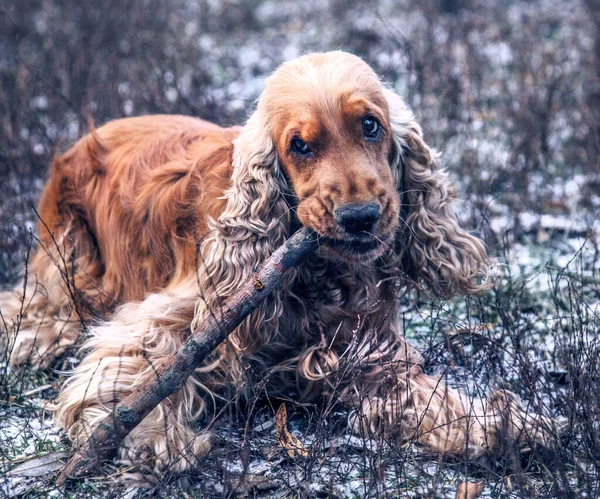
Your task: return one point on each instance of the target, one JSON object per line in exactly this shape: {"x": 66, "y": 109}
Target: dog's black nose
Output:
{"x": 357, "y": 218}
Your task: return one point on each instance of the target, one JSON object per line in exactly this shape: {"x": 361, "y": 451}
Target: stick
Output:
{"x": 172, "y": 374}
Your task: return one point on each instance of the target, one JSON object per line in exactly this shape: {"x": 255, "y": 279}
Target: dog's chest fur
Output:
{"x": 330, "y": 301}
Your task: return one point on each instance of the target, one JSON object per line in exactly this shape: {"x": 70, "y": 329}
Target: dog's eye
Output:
{"x": 299, "y": 147}
{"x": 371, "y": 128}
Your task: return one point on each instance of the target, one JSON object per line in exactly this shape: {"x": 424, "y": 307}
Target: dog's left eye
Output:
{"x": 371, "y": 128}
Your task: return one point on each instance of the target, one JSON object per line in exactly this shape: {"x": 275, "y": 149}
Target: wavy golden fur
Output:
{"x": 151, "y": 222}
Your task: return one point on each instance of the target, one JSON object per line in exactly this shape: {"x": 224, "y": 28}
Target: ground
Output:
{"x": 508, "y": 92}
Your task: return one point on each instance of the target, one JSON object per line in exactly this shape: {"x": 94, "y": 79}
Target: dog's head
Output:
{"x": 350, "y": 155}
{"x": 331, "y": 129}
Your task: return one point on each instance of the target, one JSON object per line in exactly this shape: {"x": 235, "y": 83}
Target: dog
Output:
{"x": 147, "y": 224}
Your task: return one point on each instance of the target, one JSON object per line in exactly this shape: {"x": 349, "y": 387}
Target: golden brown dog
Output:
{"x": 150, "y": 222}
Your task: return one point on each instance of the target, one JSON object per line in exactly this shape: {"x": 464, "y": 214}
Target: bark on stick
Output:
{"x": 172, "y": 374}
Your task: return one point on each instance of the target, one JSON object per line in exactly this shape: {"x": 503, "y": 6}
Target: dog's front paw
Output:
{"x": 152, "y": 452}
{"x": 513, "y": 422}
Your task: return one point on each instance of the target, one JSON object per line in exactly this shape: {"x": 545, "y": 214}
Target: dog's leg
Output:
{"x": 123, "y": 353}
{"x": 62, "y": 283}
{"x": 43, "y": 316}
{"x": 397, "y": 399}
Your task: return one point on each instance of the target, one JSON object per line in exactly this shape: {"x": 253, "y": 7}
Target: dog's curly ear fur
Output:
{"x": 256, "y": 206}
{"x": 435, "y": 250}
{"x": 255, "y": 222}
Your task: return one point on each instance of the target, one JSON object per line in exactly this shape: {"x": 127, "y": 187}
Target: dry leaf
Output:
{"x": 33, "y": 474}
{"x": 40, "y": 465}
{"x": 289, "y": 442}
{"x": 469, "y": 490}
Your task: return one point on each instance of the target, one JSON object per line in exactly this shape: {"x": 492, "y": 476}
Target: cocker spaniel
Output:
{"x": 151, "y": 222}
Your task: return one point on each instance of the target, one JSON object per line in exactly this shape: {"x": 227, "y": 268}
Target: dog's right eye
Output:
{"x": 371, "y": 128}
{"x": 299, "y": 147}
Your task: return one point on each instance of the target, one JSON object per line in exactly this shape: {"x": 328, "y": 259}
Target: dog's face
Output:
{"x": 331, "y": 128}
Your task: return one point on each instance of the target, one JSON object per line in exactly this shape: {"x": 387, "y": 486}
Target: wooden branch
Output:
{"x": 173, "y": 373}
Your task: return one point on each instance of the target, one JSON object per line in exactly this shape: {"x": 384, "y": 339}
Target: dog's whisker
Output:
{"x": 411, "y": 230}
{"x": 381, "y": 241}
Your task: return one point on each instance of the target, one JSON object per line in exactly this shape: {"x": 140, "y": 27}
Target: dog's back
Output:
{"x": 139, "y": 190}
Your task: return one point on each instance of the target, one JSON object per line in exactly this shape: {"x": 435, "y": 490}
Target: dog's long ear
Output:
{"x": 256, "y": 206}
{"x": 255, "y": 221}
{"x": 435, "y": 250}
{"x": 256, "y": 216}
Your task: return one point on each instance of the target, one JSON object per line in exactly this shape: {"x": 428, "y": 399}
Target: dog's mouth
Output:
{"x": 356, "y": 249}
{"x": 359, "y": 246}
